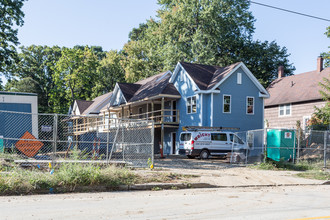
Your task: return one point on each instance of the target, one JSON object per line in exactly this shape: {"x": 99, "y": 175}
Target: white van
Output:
{"x": 206, "y": 143}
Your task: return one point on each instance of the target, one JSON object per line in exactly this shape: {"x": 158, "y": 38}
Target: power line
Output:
{"x": 294, "y": 12}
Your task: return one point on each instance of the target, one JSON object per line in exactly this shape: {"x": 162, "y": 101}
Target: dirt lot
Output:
{"x": 219, "y": 173}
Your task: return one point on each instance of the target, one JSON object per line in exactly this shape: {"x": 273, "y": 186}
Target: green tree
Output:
{"x": 74, "y": 77}
{"x": 22, "y": 85}
{"x": 34, "y": 73}
{"x": 326, "y": 55}
{"x": 215, "y": 32}
{"x": 321, "y": 116}
{"x": 10, "y": 15}
{"x": 109, "y": 72}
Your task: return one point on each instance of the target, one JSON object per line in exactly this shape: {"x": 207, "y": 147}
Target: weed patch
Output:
{"x": 66, "y": 177}
{"x": 283, "y": 165}
{"x": 314, "y": 174}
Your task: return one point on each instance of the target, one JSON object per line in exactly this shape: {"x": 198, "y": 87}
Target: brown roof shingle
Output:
{"x": 207, "y": 76}
{"x": 83, "y": 105}
{"x": 296, "y": 88}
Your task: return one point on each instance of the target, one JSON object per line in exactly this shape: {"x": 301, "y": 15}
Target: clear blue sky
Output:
{"x": 107, "y": 23}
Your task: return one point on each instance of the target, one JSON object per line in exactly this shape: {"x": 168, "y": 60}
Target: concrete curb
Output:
{"x": 149, "y": 187}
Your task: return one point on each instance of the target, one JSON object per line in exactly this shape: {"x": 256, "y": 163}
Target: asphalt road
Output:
{"x": 221, "y": 203}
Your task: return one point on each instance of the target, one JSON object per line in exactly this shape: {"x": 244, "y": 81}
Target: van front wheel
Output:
{"x": 204, "y": 154}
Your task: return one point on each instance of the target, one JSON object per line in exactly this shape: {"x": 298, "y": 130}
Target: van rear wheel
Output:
{"x": 204, "y": 154}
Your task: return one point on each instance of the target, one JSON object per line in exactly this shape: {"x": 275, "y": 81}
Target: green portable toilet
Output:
{"x": 1, "y": 144}
{"x": 281, "y": 144}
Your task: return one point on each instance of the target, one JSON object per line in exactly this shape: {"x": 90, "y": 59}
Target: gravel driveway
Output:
{"x": 218, "y": 172}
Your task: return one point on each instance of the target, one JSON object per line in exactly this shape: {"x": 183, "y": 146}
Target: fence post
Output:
{"x": 325, "y": 148}
{"x": 294, "y": 145}
{"x": 298, "y": 142}
{"x": 54, "y": 137}
{"x": 152, "y": 142}
{"x": 265, "y": 145}
{"x": 108, "y": 133}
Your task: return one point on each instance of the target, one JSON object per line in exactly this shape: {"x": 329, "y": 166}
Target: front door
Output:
{"x": 173, "y": 142}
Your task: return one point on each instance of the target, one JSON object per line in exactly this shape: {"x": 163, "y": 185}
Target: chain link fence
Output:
{"x": 252, "y": 147}
{"x": 55, "y": 137}
{"x": 314, "y": 147}
{"x": 290, "y": 145}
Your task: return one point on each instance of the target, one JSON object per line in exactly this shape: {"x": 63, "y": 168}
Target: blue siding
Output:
{"x": 216, "y": 118}
{"x": 239, "y": 92}
{"x": 186, "y": 89}
{"x": 206, "y": 110}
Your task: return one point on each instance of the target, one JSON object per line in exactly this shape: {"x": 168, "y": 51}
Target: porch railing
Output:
{"x": 166, "y": 116}
{"x": 97, "y": 123}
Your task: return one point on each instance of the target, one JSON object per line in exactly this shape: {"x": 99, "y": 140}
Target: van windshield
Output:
{"x": 235, "y": 139}
{"x": 185, "y": 137}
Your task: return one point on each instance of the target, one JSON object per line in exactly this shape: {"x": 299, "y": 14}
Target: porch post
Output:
{"x": 162, "y": 140}
{"x": 147, "y": 115}
{"x": 122, "y": 112}
{"x": 152, "y": 110}
{"x": 162, "y": 111}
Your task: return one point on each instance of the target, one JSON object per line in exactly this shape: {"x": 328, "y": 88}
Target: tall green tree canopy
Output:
{"x": 109, "y": 72}
{"x": 10, "y": 15}
{"x": 34, "y": 73}
{"x": 215, "y": 32}
{"x": 74, "y": 77}
{"x": 326, "y": 55}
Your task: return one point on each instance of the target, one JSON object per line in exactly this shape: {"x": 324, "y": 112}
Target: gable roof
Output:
{"x": 296, "y": 88}
{"x": 147, "y": 88}
{"x": 155, "y": 86}
{"x": 128, "y": 89}
{"x": 82, "y": 105}
{"x": 98, "y": 103}
{"x": 207, "y": 76}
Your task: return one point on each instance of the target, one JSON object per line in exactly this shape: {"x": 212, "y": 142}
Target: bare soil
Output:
{"x": 218, "y": 172}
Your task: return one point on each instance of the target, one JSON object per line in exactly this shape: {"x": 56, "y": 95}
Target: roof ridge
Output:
{"x": 214, "y": 75}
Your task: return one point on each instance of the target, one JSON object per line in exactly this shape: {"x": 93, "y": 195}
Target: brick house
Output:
{"x": 293, "y": 98}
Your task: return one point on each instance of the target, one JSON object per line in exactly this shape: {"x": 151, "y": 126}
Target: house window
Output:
{"x": 191, "y": 105}
{"x": 250, "y": 105}
{"x": 239, "y": 78}
{"x": 285, "y": 110}
{"x": 226, "y": 104}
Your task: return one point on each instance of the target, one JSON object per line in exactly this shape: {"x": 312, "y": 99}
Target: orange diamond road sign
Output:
{"x": 28, "y": 145}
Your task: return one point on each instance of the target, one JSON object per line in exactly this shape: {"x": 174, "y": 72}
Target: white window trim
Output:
{"x": 239, "y": 78}
{"x": 246, "y": 110}
{"x": 191, "y": 105}
{"x": 223, "y": 104}
{"x": 285, "y": 115}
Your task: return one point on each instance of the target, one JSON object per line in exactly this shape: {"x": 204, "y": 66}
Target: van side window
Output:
{"x": 185, "y": 137}
{"x": 218, "y": 137}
